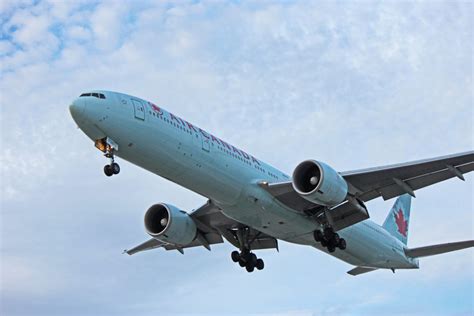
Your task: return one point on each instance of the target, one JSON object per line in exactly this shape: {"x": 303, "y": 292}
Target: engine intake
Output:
{"x": 169, "y": 224}
{"x": 319, "y": 183}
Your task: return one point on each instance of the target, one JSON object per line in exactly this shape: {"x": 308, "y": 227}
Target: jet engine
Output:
{"x": 319, "y": 183}
{"x": 169, "y": 224}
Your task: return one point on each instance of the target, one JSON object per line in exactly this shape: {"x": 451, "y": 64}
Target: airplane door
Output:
{"x": 206, "y": 143}
{"x": 139, "y": 109}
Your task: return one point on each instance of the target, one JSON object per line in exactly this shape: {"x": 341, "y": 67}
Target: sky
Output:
{"x": 353, "y": 84}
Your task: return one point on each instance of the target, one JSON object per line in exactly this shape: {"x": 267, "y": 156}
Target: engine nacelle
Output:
{"x": 319, "y": 183}
{"x": 169, "y": 224}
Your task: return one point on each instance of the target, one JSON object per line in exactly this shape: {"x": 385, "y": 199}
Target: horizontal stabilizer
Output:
{"x": 360, "y": 270}
{"x": 438, "y": 249}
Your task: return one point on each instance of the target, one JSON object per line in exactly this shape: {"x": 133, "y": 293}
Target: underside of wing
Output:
{"x": 395, "y": 180}
{"x": 212, "y": 227}
{"x": 367, "y": 184}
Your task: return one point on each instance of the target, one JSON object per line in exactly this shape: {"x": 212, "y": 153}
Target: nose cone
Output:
{"x": 77, "y": 109}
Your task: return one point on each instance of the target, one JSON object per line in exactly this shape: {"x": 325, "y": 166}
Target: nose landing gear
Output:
{"x": 330, "y": 239}
{"x": 108, "y": 146}
{"x": 113, "y": 167}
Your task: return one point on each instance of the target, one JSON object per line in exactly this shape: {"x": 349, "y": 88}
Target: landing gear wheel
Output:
{"x": 249, "y": 268}
{"x": 242, "y": 263}
{"x": 235, "y": 256}
{"x": 331, "y": 248}
{"x": 342, "y": 244}
{"x": 328, "y": 232}
{"x": 108, "y": 170}
{"x": 324, "y": 243}
{"x": 252, "y": 259}
{"x": 260, "y": 265}
{"x": 335, "y": 239}
{"x": 115, "y": 168}
{"x": 318, "y": 235}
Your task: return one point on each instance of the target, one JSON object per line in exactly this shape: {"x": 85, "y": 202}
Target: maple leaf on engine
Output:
{"x": 402, "y": 224}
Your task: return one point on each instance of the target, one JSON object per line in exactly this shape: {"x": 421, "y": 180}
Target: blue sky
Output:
{"x": 355, "y": 84}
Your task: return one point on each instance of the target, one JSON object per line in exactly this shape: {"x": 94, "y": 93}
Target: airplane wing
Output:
{"x": 387, "y": 182}
{"x": 212, "y": 226}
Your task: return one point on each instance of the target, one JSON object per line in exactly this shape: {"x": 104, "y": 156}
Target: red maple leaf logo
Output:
{"x": 156, "y": 108}
{"x": 402, "y": 224}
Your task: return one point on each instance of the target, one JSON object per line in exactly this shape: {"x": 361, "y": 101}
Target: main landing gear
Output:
{"x": 113, "y": 167}
{"x": 247, "y": 260}
{"x": 330, "y": 239}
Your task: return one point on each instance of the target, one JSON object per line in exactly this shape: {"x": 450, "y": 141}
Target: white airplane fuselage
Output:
{"x": 162, "y": 143}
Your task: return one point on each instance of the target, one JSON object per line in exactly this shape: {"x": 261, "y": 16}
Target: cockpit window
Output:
{"x": 96, "y": 95}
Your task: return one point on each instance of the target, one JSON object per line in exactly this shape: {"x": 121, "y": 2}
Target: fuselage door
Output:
{"x": 139, "y": 109}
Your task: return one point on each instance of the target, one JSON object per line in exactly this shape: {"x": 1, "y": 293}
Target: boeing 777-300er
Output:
{"x": 252, "y": 204}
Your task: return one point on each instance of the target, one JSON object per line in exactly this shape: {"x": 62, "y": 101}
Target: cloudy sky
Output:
{"x": 355, "y": 84}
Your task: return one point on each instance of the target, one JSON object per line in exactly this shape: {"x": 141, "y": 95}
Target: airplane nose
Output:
{"x": 77, "y": 108}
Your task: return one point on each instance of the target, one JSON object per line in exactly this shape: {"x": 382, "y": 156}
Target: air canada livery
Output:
{"x": 251, "y": 204}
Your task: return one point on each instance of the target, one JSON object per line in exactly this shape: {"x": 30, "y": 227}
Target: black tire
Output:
{"x": 252, "y": 259}
{"x": 260, "y": 264}
{"x": 115, "y": 168}
{"x": 342, "y": 244}
{"x": 324, "y": 243}
{"x": 249, "y": 268}
{"x": 242, "y": 263}
{"x": 318, "y": 235}
{"x": 108, "y": 170}
{"x": 331, "y": 248}
{"x": 235, "y": 256}
{"x": 328, "y": 233}
{"x": 335, "y": 239}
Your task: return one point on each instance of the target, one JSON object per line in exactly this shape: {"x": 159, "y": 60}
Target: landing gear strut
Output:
{"x": 330, "y": 239}
{"x": 245, "y": 258}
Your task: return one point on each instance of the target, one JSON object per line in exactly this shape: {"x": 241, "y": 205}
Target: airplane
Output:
{"x": 251, "y": 204}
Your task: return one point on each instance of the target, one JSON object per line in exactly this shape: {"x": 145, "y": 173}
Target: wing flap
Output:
{"x": 438, "y": 249}
{"x": 347, "y": 214}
